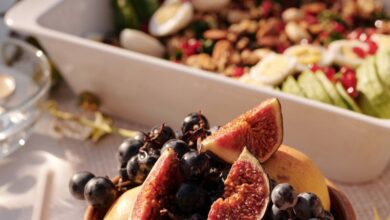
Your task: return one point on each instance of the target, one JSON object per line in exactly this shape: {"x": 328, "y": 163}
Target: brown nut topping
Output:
{"x": 314, "y": 8}
{"x": 202, "y": 61}
{"x": 221, "y": 53}
{"x": 215, "y": 34}
{"x": 249, "y": 58}
{"x": 242, "y": 43}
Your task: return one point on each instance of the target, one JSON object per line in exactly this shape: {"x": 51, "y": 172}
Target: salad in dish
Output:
{"x": 334, "y": 51}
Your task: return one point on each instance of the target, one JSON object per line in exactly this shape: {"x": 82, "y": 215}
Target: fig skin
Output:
{"x": 246, "y": 193}
{"x": 260, "y": 130}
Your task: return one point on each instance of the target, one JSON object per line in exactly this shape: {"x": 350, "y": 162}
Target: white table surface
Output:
{"x": 19, "y": 173}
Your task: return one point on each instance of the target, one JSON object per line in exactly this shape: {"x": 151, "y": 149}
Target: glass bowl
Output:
{"x": 29, "y": 69}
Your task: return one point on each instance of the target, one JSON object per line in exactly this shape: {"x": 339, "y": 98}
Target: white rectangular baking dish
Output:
{"x": 348, "y": 146}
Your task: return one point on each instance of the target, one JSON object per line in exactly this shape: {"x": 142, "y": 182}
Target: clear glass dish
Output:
{"x": 19, "y": 111}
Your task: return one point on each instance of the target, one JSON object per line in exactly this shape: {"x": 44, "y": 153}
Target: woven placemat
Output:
{"x": 369, "y": 196}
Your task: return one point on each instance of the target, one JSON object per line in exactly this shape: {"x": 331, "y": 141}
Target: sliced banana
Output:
{"x": 273, "y": 69}
{"x": 170, "y": 18}
{"x": 209, "y": 5}
{"x": 307, "y": 54}
{"x": 382, "y": 40}
{"x": 343, "y": 53}
{"x": 138, "y": 41}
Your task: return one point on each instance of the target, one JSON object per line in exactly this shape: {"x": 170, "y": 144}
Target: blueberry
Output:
{"x": 147, "y": 160}
{"x": 140, "y": 136}
{"x": 278, "y": 214}
{"x": 128, "y": 149}
{"x": 189, "y": 197}
{"x": 77, "y": 183}
{"x": 161, "y": 134}
{"x": 308, "y": 206}
{"x": 194, "y": 165}
{"x": 100, "y": 192}
{"x": 283, "y": 196}
{"x": 179, "y": 146}
{"x": 134, "y": 172}
{"x": 193, "y": 121}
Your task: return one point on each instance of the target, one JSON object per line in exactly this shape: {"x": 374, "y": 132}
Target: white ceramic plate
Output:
{"x": 348, "y": 146}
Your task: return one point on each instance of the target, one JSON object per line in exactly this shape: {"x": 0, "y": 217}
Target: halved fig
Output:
{"x": 161, "y": 182}
{"x": 246, "y": 194}
{"x": 260, "y": 130}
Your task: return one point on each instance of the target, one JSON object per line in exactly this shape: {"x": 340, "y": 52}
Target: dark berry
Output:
{"x": 140, "y": 136}
{"x": 77, "y": 183}
{"x": 128, "y": 149}
{"x": 100, "y": 192}
{"x": 123, "y": 173}
{"x": 194, "y": 121}
{"x": 194, "y": 165}
{"x": 272, "y": 183}
{"x": 308, "y": 206}
{"x": 179, "y": 146}
{"x": 278, "y": 214}
{"x": 283, "y": 196}
{"x": 189, "y": 197}
{"x": 327, "y": 216}
{"x": 146, "y": 160}
{"x": 134, "y": 172}
{"x": 161, "y": 134}
{"x": 196, "y": 216}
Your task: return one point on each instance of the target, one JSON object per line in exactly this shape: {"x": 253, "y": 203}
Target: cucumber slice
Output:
{"x": 351, "y": 103}
{"x": 291, "y": 86}
{"x": 331, "y": 89}
{"x": 372, "y": 89}
{"x": 312, "y": 87}
{"x": 382, "y": 59}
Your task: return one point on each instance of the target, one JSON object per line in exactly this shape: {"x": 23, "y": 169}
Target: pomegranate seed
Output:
{"x": 359, "y": 51}
{"x": 352, "y": 92}
{"x": 266, "y": 7}
{"x": 330, "y": 72}
{"x": 280, "y": 48}
{"x": 338, "y": 27}
{"x": 311, "y": 19}
{"x": 315, "y": 68}
{"x": 190, "y": 47}
{"x": 238, "y": 71}
{"x": 349, "y": 82}
{"x": 347, "y": 70}
{"x": 372, "y": 47}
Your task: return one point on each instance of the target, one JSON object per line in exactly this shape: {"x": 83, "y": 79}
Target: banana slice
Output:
{"x": 273, "y": 69}
{"x": 307, "y": 54}
{"x": 209, "y": 5}
{"x": 138, "y": 41}
{"x": 343, "y": 53}
{"x": 382, "y": 40}
{"x": 170, "y": 18}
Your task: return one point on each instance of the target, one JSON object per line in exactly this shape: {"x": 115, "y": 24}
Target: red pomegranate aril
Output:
{"x": 330, "y": 72}
{"x": 266, "y": 7}
{"x": 190, "y": 47}
{"x": 359, "y": 51}
{"x": 354, "y": 35}
{"x": 238, "y": 71}
{"x": 315, "y": 68}
{"x": 372, "y": 47}
{"x": 352, "y": 92}
{"x": 311, "y": 19}
{"x": 338, "y": 27}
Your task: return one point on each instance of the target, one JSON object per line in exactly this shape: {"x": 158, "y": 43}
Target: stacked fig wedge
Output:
{"x": 245, "y": 142}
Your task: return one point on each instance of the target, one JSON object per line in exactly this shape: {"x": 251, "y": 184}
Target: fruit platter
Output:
{"x": 237, "y": 171}
{"x": 335, "y": 52}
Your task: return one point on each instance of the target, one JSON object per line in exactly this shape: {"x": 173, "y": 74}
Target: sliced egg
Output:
{"x": 249, "y": 80}
{"x": 209, "y": 5}
{"x": 343, "y": 53}
{"x": 138, "y": 41}
{"x": 170, "y": 18}
{"x": 273, "y": 69}
{"x": 382, "y": 40}
{"x": 307, "y": 54}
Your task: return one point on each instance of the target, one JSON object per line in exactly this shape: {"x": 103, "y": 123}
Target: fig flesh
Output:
{"x": 246, "y": 193}
{"x": 260, "y": 130}
{"x": 161, "y": 182}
